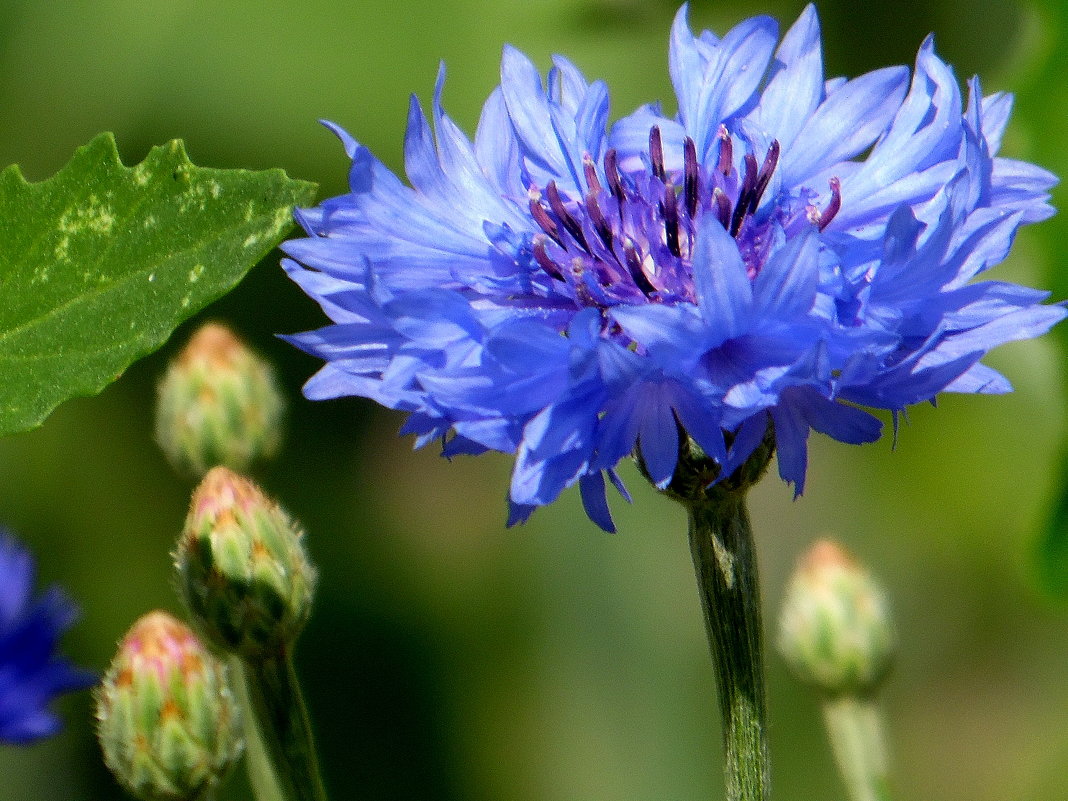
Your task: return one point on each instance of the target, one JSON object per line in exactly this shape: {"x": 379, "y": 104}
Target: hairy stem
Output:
{"x": 855, "y": 728}
{"x": 261, "y": 773}
{"x": 721, "y": 543}
{"x": 282, "y": 720}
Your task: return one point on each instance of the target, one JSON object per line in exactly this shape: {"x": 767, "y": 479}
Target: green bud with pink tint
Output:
{"x": 242, "y": 567}
{"x": 168, "y": 723}
{"x": 219, "y": 404}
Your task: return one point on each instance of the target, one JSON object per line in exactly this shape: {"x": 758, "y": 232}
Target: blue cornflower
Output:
{"x": 783, "y": 250}
{"x": 31, "y": 674}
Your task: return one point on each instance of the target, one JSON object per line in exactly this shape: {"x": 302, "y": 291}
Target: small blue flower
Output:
{"x": 784, "y": 250}
{"x": 31, "y": 674}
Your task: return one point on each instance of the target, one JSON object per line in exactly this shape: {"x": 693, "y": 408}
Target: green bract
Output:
{"x": 169, "y": 724}
{"x": 242, "y": 568}
{"x": 835, "y": 630}
{"x": 101, "y": 262}
{"x": 219, "y": 404}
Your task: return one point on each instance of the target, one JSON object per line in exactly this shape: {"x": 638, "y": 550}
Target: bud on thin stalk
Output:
{"x": 836, "y": 634}
{"x": 245, "y": 575}
{"x": 835, "y": 630}
{"x": 242, "y": 568}
{"x": 168, "y": 722}
{"x": 219, "y": 404}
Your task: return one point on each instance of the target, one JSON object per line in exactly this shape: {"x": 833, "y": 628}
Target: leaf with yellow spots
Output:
{"x": 101, "y": 262}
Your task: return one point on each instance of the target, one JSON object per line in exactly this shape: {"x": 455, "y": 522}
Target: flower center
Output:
{"x": 632, "y": 240}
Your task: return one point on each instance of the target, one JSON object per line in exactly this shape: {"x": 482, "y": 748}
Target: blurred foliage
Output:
{"x": 449, "y": 658}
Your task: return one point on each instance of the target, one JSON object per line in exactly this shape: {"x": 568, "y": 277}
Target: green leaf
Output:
{"x": 101, "y": 262}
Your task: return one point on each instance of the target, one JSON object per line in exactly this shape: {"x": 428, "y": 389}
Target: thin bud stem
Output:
{"x": 282, "y": 719}
{"x": 721, "y": 543}
{"x": 262, "y": 775}
{"x": 855, "y": 728}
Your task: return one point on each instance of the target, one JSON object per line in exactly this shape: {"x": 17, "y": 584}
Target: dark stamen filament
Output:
{"x": 722, "y": 206}
{"x": 833, "y": 205}
{"x": 691, "y": 177}
{"x": 600, "y": 224}
{"x": 670, "y": 211}
{"x": 656, "y": 153}
{"x": 542, "y": 218}
{"x": 611, "y": 172}
{"x": 590, "y": 169}
{"x": 768, "y": 167}
{"x": 726, "y": 151}
{"x": 543, "y": 260}
{"x": 564, "y": 216}
{"x": 634, "y": 266}
{"x": 741, "y": 207}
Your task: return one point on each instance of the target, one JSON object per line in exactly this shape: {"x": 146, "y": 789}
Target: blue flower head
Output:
{"x": 784, "y": 250}
{"x": 31, "y": 673}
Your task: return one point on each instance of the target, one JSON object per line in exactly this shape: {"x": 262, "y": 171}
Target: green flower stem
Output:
{"x": 261, "y": 773}
{"x": 855, "y": 728}
{"x": 721, "y": 542}
{"x": 282, "y": 719}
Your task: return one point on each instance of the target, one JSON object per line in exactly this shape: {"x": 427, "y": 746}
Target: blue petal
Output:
{"x": 658, "y": 435}
{"x": 996, "y": 110}
{"x": 496, "y": 148}
{"x": 703, "y": 421}
{"x": 842, "y": 422}
{"x": 594, "y": 501}
{"x": 471, "y": 193}
{"x": 733, "y": 72}
{"x": 926, "y": 129}
{"x": 674, "y": 334}
{"x": 980, "y": 379}
{"x": 795, "y": 89}
{"x": 846, "y": 123}
{"x": 530, "y": 112}
{"x": 433, "y": 317}
{"x": 31, "y": 672}
{"x": 786, "y": 286}
{"x": 746, "y": 439}
{"x": 630, "y": 138}
{"x": 687, "y": 66}
{"x": 724, "y": 293}
{"x": 519, "y": 513}
{"x": 791, "y": 445}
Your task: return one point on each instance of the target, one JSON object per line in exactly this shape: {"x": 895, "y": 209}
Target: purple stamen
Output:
{"x": 604, "y": 260}
{"x": 768, "y": 167}
{"x": 542, "y": 218}
{"x": 692, "y": 177}
{"x": 656, "y": 153}
{"x": 833, "y": 206}
{"x": 634, "y": 266}
{"x": 726, "y": 151}
{"x": 564, "y": 216}
{"x": 600, "y": 224}
{"x": 590, "y": 169}
{"x": 741, "y": 207}
{"x": 611, "y": 172}
{"x": 722, "y": 206}
{"x": 544, "y": 261}
{"x": 670, "y": 211}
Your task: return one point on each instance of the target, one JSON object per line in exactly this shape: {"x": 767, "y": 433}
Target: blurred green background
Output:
{"x": 450, "y": 658}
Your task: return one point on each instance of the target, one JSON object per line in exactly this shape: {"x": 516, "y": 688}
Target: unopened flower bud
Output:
{"x": 169, "y": 725}
{"x": 242, "y": 567}
{"x": 219, "y": 403}
{"x": 835, "y": 630}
